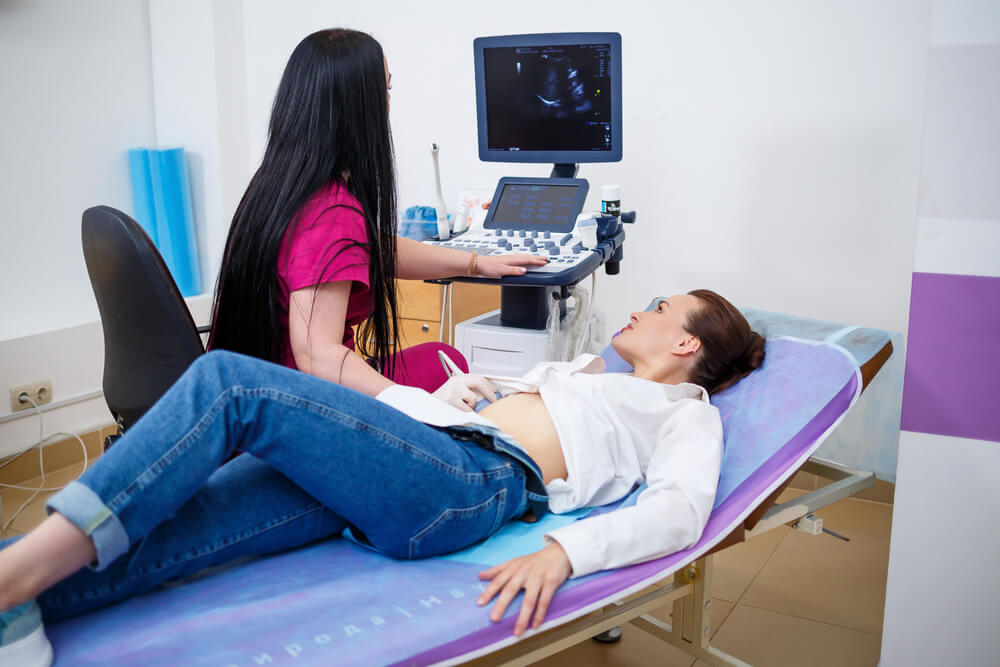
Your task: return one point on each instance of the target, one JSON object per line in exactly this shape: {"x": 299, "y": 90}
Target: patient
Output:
{"x": 322, "y": 458}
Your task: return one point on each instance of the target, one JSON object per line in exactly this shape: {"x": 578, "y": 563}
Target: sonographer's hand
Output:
{"x": 464, "y": 391}
{"x": 497, "y": 266}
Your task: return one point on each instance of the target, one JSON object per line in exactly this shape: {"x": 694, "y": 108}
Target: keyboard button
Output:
{"x": 547, "y": 235}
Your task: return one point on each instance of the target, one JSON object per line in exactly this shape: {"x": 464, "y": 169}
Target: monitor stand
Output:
{"x": 527, "y": 306}
{"x": 564, "y": 170}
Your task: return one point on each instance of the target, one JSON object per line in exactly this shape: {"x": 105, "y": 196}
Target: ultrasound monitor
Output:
{"x": 549, "y": 98}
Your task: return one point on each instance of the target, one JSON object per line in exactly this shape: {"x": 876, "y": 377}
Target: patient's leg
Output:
{"x": 245, "y": 509}
{"x": 54, "y": 550}
{"x": 389, "y": 475}
{"x": 414, "y": 490}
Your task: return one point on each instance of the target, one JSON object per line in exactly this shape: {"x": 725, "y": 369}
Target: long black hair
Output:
{"x": 330, "y": 118}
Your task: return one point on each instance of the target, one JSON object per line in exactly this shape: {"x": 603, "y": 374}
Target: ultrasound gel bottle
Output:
{"x": 611, "y": 200}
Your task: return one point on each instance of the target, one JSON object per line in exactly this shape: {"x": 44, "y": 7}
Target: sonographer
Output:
{"x": 312, "y": 250}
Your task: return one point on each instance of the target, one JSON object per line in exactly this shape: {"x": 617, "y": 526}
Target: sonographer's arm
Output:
{"x": 422, "y": 261}
{"x": 316, "y": 317}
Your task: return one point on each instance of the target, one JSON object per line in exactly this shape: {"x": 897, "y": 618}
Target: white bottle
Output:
{"x": 461, "y": 220}
{"x": 611, "y": 200}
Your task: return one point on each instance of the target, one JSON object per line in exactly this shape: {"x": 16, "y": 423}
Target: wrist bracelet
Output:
{"x": 473, "y": 264}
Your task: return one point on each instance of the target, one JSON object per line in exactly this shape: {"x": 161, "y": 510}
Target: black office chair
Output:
{"x": 149, "y": 336}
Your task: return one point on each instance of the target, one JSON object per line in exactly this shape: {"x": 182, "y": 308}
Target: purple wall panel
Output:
{"x": 952, "y": 381}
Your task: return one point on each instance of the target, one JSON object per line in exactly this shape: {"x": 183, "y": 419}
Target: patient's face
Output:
{"x": 653, "y": 334}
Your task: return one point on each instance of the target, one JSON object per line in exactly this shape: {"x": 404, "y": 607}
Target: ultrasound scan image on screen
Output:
{"x": 548, "y": 98}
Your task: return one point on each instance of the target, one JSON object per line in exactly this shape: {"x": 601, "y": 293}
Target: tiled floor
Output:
{"x": 783, "y": 598}
{"x": 62, "y": 462}
{"x": 33, "y": 513}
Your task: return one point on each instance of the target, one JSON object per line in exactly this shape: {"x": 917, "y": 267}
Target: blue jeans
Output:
{"x": 319, "y": 458}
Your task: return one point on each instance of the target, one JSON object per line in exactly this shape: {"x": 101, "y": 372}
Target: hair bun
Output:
{"x": 754, "y": 356}
{"x": 730, "y": 349}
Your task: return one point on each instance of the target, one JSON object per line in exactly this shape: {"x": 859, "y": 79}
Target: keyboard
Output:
{"x": 564, "y": 250}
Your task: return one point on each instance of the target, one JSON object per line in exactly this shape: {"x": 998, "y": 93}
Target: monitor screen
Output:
{"x": 549, "y": 98}
{"x": 545, "y": 204}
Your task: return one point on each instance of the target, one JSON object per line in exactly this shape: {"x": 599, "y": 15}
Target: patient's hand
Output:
{"x": 539, "y": 574}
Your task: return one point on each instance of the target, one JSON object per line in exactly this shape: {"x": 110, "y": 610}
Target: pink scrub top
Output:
{"x": 317, "y": 248}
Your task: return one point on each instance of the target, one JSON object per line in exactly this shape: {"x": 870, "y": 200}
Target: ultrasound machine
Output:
{"x": 543, "y": 98}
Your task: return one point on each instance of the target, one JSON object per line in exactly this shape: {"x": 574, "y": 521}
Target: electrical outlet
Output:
{"x": 40, "y": 392}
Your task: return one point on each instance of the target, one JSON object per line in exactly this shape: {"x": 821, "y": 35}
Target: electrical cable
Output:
{"x": 585, "y": 336}
{"x": 40, "y": 445}
{"x": 444, "y": 307}
{"x": 451, "y": 317}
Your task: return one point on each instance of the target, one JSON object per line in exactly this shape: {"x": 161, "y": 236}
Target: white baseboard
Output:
{"x": 73, "y": 360}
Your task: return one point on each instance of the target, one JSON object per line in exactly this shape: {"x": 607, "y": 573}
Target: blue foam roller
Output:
{"x": 163, "y": 196}
{"x": 142, "y": 191}
{"x": 175, "y": 225}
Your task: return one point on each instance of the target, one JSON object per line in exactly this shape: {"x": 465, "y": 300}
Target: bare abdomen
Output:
{"x": 525, "y": 417}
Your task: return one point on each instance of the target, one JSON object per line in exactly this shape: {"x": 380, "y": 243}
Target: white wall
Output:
{"x": 943, "y": 583}
{"x": 82, "y": 83}
{"x": 941, "y": 591}
{"x": 198, "y": 75}
{"x": 76, "y": 96}
{"x": 771, "y": 149}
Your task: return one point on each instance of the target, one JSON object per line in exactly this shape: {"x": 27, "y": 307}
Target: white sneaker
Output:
{"x": 22, "y": 637}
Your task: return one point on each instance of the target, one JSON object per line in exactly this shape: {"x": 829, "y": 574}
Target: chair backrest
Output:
{"x": 149, "y": 336}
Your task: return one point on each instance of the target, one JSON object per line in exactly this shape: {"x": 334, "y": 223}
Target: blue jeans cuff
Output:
{"x": 85, "y": 509}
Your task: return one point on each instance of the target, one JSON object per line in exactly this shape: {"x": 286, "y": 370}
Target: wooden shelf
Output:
{"x": 420, "y": 308}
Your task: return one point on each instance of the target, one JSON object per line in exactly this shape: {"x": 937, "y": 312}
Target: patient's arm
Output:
{"x": 681, "y": 477}
{"x": 539, "y": 574}
{"x": 670, "y": 515}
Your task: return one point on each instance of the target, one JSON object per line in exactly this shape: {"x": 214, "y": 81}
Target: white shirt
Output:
{"x": 615, "y": 431}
